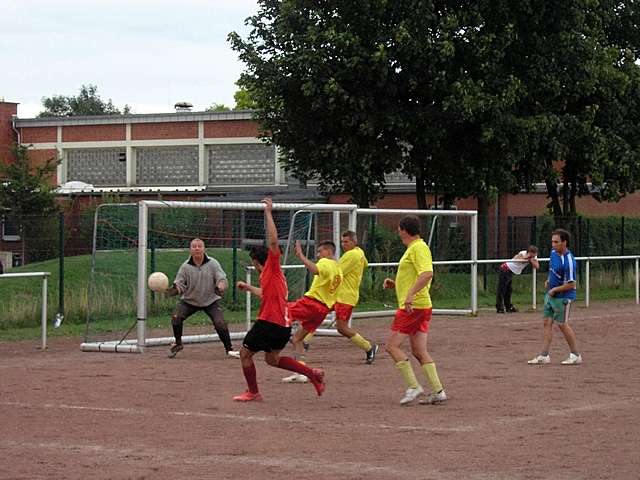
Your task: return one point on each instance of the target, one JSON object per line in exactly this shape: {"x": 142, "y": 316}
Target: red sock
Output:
{"x": 250, "y": 375}
{"x": 288, "y": 363}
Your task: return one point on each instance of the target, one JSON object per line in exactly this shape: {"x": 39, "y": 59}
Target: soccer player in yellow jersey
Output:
{"x": 412, "y": 283}
{"x": 352, "y": 263}
{"x": 317, "y": 302}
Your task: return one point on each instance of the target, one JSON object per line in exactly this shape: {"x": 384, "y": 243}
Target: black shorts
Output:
{"x": 266, "y": 336}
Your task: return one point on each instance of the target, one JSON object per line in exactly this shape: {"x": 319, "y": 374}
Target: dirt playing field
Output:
{"x": 73, "y": 415}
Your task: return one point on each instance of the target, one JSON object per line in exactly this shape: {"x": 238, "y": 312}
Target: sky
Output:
{"x": 148, "y": 54}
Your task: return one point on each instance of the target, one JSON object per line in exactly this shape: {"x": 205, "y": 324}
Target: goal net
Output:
{"x": 133, "y": 240}
{"x": 452, "y": 236}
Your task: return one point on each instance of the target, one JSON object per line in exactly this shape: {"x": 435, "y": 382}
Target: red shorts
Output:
{"x": 309, "y": 312}
{"x": 343, "y": 311}
{"x": 411, "y": 323}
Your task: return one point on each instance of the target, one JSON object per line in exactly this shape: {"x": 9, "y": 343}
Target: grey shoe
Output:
{"x": 434, "y": 398}
{"x": 175, "y": 348}
{"x": 540, "y": 360}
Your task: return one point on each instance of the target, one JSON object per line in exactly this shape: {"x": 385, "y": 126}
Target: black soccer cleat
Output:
{"x": 371, "y": 354}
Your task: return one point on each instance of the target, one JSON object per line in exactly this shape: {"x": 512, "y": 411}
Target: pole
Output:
{"x": 586, "y": 290}
{"x": 143, "y": 212}
{"x": 534, "y": 275}
{"x": 44, "y": 312}
{"x": 622, "y": 249}
{"x": 234, "y": 272}
{"x": 474, "y": 265}
{"x": 60, "y": 315}
{"x": 152, "y": 248}
{"x": 637, "y": 281}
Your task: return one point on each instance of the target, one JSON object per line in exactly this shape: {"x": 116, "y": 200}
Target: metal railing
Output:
{"x": 44, "y": 276}
{"x": 587, "y": 286}
{"x": 534, "y": 279}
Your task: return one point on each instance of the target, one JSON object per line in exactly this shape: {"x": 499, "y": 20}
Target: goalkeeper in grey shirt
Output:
{"x": 200, "y": 282}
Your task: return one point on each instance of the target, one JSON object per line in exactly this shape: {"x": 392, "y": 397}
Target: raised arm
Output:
{"x": 270, "y": 225}
{"x": 312, "y": 267}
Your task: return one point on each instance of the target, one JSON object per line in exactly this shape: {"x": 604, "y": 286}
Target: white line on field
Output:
{"x": 241, "y": 418}
{"x": 565, "y": 412}
{"x": 504, "y": 420}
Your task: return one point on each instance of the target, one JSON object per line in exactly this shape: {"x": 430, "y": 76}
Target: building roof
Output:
{"x": 135, "y": 118}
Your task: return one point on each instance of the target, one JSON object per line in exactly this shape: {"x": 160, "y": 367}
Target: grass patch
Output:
{"x": 113, "y": 300}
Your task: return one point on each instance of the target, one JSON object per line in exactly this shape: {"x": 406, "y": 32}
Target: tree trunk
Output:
{"x": 421, "y": 191}
{"x": 554, "y": 200}
{"x": 565, "y": 196}
{"x": 483, "y": 212}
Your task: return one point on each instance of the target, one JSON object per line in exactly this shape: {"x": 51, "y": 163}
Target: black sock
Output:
{"x": 177, "y": 332}
{"x": 225, "y": 338}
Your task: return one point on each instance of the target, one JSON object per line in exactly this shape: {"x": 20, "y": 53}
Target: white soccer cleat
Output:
{"x": 573, "y": 359}
{"x": 233, "y": 353}
{"x": 411, "y": 394}
{"x": 540, "y": 360}
{"x": 295, "y": 378}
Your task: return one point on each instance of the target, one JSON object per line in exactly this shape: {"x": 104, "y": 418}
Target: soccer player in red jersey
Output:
{"x": 272, "y": 330}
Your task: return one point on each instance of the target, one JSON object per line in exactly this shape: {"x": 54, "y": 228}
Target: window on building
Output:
{"x": 10, "y": 229}
{"x": 242, "y": 164}
{"x": 167, "y": 165}
{"x": 101, "y": 167}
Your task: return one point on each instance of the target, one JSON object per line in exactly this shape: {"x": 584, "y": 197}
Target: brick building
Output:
{"x": 203, "y": 155}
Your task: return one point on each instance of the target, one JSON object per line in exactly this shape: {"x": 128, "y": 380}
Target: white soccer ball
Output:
{"x": 158, "y": 282}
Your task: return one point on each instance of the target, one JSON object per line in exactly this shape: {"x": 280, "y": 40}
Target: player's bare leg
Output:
{"x": 393, "y": 346}
{"x": 358, "y": 340}
{"x": 299, "y": 355}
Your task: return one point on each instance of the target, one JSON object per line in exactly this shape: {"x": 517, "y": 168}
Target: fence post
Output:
{"x": 485, "y": 246}
{"x": 534, "y": 276}
{"x": 60, "y": 315}
{"x": 637, "y": 281}
{"x": 586, "y": 290}
{"x": 248, "y": 300}
{"x": 234, "y": 274}
{"x": 622, "y": 249}
{"x": 44, "y": 312}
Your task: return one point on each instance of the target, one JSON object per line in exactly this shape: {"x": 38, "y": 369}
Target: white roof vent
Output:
{"x": 183, "y": 107}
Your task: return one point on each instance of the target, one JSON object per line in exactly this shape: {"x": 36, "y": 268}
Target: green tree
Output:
{"x": 320, "y": 78}
{"x": 577, "y": 121}
{"x": 218, "y": 107}
{"x": 244, "y": 100}
{"x": 26, "y": 191}
{"x": 87, "y": 102}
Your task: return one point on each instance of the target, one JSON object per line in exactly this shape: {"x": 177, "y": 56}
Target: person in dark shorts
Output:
{"x": 201, "y": 283}
{"x": 505, "y": 277}
{"x": 272, "y": 330}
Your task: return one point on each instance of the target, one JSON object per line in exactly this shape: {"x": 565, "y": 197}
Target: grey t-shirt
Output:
{"x": 197, "y": 285}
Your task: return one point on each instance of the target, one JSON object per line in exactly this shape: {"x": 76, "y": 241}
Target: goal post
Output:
{"x": 333, "y": 217}
{"x": 132, "y": 240}
{"x": 446, "y": 257}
